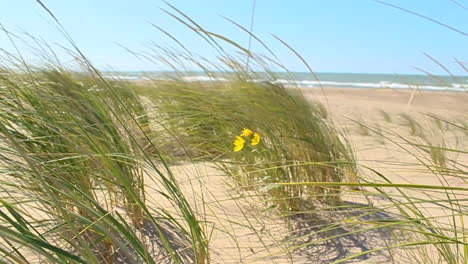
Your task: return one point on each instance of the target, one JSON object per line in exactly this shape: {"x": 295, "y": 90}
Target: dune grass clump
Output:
{"x": 386, "y": 116}
{"x": 294, "y": 141}
{"x": 73, "y": 149}
{"x": 412, "y": 124}
{"x": 362, "y": 129}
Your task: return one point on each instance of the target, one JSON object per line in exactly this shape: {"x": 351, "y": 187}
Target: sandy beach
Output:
{"x": 242, "y": 227}
{"x": 242, "y": 232}
{"x": 342, "y": 100}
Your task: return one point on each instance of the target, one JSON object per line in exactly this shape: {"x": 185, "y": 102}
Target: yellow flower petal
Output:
{"x": 246, "y": 132}
{"x": 256, "y": 139}
{"x": 238, "y": 144}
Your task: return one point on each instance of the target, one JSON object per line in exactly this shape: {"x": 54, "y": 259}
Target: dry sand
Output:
{"x": 241, "y": 232}
{"x": 370, "y": 106}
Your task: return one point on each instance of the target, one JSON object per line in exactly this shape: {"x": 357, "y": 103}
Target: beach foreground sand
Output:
{"x": 242, "y": 232}
{"x": 242, "y": 228}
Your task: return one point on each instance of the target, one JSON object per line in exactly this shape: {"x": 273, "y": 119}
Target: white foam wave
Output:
{"x": 125, "y": 77}
{"x": 309, "y": 83}
{"x": 381, "y": 84}
{"x": 200, "y": 78}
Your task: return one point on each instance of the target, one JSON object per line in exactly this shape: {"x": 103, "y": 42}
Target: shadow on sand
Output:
{"x": 181, "y": 245}
{"x": 336, "y": 234}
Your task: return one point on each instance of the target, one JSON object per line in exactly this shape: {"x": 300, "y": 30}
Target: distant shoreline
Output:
{"x": 322, "y": 86}
{"x": 385, "y": 89}
{"x": 304, "y": 80}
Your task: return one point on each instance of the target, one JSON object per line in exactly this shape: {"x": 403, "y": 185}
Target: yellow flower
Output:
{"x": 238, "y": 144}
{"x": 246, "y": 132}
{"x": 255, "y": 139}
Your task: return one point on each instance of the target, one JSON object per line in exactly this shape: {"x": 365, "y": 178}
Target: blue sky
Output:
{"x": 332, "y": 35}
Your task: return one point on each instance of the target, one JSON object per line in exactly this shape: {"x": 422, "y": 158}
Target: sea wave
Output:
{"x": 381, "y": 84}
{"x": 125, "y": 77}
{"x": 199, "y": 78}
{"x": 310, "y": 83}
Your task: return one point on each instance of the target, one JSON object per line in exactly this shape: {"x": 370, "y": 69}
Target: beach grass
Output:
{"x": 207, "y": 119}
{"x": 75, "y": 150}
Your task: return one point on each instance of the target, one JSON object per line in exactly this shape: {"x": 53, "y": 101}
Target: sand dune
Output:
{"x": 242, "y": 232}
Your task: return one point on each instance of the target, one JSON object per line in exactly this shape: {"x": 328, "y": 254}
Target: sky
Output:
{"x": 352, "y": 36}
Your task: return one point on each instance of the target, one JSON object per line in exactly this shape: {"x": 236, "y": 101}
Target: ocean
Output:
{"x": 305, "y": 80}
